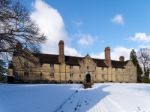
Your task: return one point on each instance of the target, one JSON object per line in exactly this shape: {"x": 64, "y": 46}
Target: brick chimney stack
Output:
{"x": 107, "y": 56}
{"x": 18, "y": 46}
{"x": 61, "y": 57}
{"x": 121, "y": 58}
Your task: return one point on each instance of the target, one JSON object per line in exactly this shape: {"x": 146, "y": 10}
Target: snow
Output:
{"x": 102, "y": 97}
{"x": 33, "y": 98}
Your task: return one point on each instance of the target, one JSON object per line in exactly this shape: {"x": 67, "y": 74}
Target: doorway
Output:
{"x": 88, "y": 78}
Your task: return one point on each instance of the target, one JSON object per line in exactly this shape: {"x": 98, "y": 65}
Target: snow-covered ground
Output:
{"x": 106, "y": 97}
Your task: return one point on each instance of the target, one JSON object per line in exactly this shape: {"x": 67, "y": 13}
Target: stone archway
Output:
{"x": 88, "y": 78}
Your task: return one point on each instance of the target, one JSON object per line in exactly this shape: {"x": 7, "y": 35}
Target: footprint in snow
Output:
{"x": 76, "y": 91}
{"x": 79, "y": 105}
{"x": 86, "y": 102}
{"x": 75, "y": 109}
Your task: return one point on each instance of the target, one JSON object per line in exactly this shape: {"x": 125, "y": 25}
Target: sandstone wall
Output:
{"x": 66, "y": 73}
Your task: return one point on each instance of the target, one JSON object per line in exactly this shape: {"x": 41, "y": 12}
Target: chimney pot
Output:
{"x": 121, "y": 58}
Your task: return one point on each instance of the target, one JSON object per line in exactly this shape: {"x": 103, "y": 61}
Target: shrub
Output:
{"x": 70, "y": 81}
{"x": 146, "y": 79}
{"x": 10, "y": 79}
{"x": 87, "y": 85}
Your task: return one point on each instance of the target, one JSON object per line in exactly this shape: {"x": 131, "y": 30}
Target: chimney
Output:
{"x": 107, "y": 56}
{"x": 61, "y": 57}
{"x": 18, "y": 49}
{"x": 18, "y": 46}
{"x": 121, "y": 58}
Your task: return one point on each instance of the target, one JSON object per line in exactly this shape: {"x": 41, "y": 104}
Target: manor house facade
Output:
{"x": 60, "y": 68}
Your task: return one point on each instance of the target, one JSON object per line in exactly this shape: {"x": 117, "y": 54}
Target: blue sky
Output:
{"x": 88, "y": 26}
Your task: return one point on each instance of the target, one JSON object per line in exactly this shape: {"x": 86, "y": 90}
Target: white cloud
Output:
{"x": 118, "y": 19}
{"x": 51, "y": 24}
{"x": 141, "y": 37}
{"x": 121, "y": 51}
{"x": 116, "y": 53}
{"x": 85, "y": 39}
{"x": 98, "y": 56}
{"x": 71, "y": 51}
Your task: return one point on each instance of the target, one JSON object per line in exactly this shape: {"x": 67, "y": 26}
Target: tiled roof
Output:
{"x": 100, "y": 62}
{"x": 118, "y": 64}
{"x": 71, "y": 60}
{"x": 47, "y": 58}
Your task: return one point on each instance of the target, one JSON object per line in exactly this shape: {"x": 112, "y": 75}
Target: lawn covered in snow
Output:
{"x": 105, "y": 97}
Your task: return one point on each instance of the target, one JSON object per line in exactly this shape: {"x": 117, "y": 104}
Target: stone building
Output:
{"x": 60, "y": 68}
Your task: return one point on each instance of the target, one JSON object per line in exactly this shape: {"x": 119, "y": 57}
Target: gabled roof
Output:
{"x": 72, "y": 60}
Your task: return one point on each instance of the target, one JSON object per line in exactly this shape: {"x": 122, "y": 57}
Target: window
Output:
{"x": 52, "y": 66}
{"x": 71, "y": 75}
{"x": 79, "y": 76}
{"x": 102, "y": 68}
{"x": 87, "y": 67}
{"x": 41, "y": 74}
{"x": 15, "y": 74}
{"x": 26, "y": 74}
{"x": 41, "y": 64}
{"x": 103, "y": 76}
{"x": 52, "y": 75}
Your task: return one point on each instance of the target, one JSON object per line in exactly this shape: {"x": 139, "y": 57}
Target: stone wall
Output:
{"x": 66, "y": 73}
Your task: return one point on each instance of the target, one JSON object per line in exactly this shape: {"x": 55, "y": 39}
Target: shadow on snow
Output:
{"x": 84, "y": 99}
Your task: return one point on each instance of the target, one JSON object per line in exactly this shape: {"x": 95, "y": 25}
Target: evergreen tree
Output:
{"x": 133, "y": 58}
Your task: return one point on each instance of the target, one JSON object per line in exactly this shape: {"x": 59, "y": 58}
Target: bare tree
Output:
{"x": 17, "y": 27}
{"x": 144, "y": 59}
